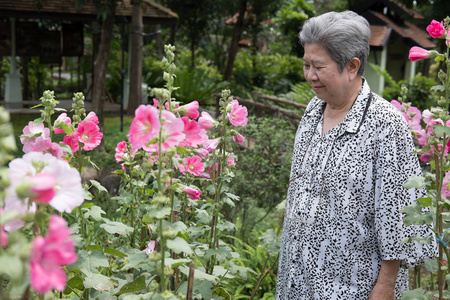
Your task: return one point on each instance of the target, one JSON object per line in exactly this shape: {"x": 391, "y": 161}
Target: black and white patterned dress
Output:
{"x": 344, "y": 200}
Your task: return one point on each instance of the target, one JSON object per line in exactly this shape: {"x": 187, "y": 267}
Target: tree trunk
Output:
{"x": 137, "y": 42}
{"x": 234, "y": 47}
{"x": 101, "y": 64}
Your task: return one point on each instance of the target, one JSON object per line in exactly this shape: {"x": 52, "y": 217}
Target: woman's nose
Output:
{"x": 310, "y": 74}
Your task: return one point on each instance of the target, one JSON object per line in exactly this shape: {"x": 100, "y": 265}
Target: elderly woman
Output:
{"x": 343, "y": 229}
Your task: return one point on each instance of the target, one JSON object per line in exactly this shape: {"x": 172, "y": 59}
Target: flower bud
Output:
{"x": 169, "y": 233}
{"x": 155, "y": 256}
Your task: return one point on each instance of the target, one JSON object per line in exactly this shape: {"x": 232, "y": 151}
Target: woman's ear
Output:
{"x": 353, "y": 67}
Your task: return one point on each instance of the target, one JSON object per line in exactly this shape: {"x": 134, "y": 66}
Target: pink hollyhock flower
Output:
{"x": 238, "y": 114}
{"x": 436, "y": 29}
{"x": 417, "y": 53}
{"x": 62, "y": 118}
{"x": 72, "y": 142}
{"x": 121, "y": 150}
{"x": 445, "y": 185}
{"x": 206, "y": 121}
{"x": 92, "y": 117}
{"x": 202, "y": 152}
{"x": 192, "y": 164}
{"x": 89, "y": 133}
{"x": 172, "y": 133}
{"x": 190, "y": 110}
{"x": 230, "y": 161}
{"x": 174, "y": 106}
{"x": 155, "y": 103}
{"x": 422, "y": 137}
{"x": 43, "y": 187}
{"x": 412, "y": 114}
{"x": 4, "y": 235}
{"x": 238, "y": 138}
{"x": 210, "y": 145}
{"x": 145, "y": 126}
{"x": 427, "y": 116}
{"x": 30, "y": 133}
{"x": 194, "y": 135}
{"x": 68, "y": 188}
{"x": 151, "y": 246}
{"x": 48, "y": 256}
{"x": 194, "y": 194}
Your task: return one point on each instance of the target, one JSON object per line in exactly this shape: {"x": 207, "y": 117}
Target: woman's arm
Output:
{"x": 384, "y": 289}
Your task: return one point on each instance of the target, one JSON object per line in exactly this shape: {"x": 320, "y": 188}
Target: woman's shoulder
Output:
{"x": 385, "y": 113}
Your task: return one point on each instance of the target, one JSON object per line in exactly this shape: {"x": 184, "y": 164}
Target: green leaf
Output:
{"x": 222, "y": 254}
{"x": 90, "y": 261}
{"x": 226, "y": 226}
{"x": 441, "y": 130}
{"x": 198, "y": 274}
{"x": 74, "y": 283}
{"x": 12, "y": 266}
{"x": 415, "y": 182}
{"x": 211, "y": 189}
{"x": 176, "y": 262}
{"x": 114, "y": 252}
{"x": 99, "y": 186}
{"x": 113, "y": 227}
{"x": 417, "y": 294}
{"x": 136, "y": 259}
{"x": 98, "y": 282}
{"x": 159, "y": 213}
{"x": 425, "y": 201}
{"x": 135, "y": 286}
{"x": 179, "y": 245}
{"x": 414, "y": 215}
{"x": 203, "y": 217}
{"x": 95, "y": 212}
{"x": 272, "y": 241}
{"x": 234, "y": 269}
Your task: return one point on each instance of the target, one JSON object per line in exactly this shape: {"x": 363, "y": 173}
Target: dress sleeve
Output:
{"x": 396, "y": 163}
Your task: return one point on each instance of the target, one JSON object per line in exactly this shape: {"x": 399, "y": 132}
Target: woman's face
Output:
{"x": 323, "y": 74}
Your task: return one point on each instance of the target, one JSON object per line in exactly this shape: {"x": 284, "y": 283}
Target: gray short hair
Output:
{"x": 344, "y": 35}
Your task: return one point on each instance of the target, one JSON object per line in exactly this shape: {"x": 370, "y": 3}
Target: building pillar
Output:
{"x": 13, "y": 87}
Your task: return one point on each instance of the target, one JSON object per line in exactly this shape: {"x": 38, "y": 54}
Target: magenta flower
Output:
{"x": 427, "y": 116}
{"x": 62, "y": 118}
{"x": 190, "y": 110}
{"x": 151, "y": 246}
{"x": 206, "y": 121}
{"x": 238, "y": 138}
{"x": 445, "y": 185}
{"x": 202, "y": 152}
{"x": 172, "y": 133}
{"x": 230, "y": 161}
{"x": 417, "y": 53}
{"x": 145, "y": 126}
{"x": 192, "y": 164}
{"x": 48, "y": 256}
{"x": 92, "y": 117}
{"x": 3, "y": 233}
{"x": 194, "y": 194}
{"x": 67, "y": 186}
{"x": 43, "y": 187}
{"x": 121, "y": 150}
{"x": 238, "y": 114}
{"x": 30, "y": 133}
{"x": 194, "y": 135}
{"x": 210, "y": 145}
{"x": 72, "y": 142}
{"x": 89, "y": 133}
{"x": 411, "y": 113}
{"x": 436, "y": 29}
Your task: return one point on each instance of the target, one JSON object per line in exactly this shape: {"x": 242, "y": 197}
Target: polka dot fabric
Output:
{"x": 344, "y": 200}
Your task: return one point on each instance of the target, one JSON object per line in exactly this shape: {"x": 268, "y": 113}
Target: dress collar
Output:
{"x": 354, "y": 117}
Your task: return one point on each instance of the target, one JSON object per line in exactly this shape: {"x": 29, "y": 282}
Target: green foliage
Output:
{"x": 198, "y": 84}
{"x": 272, "y": 72}
{"x": 290, "y": 19}
{"x": 419, "y": 90}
